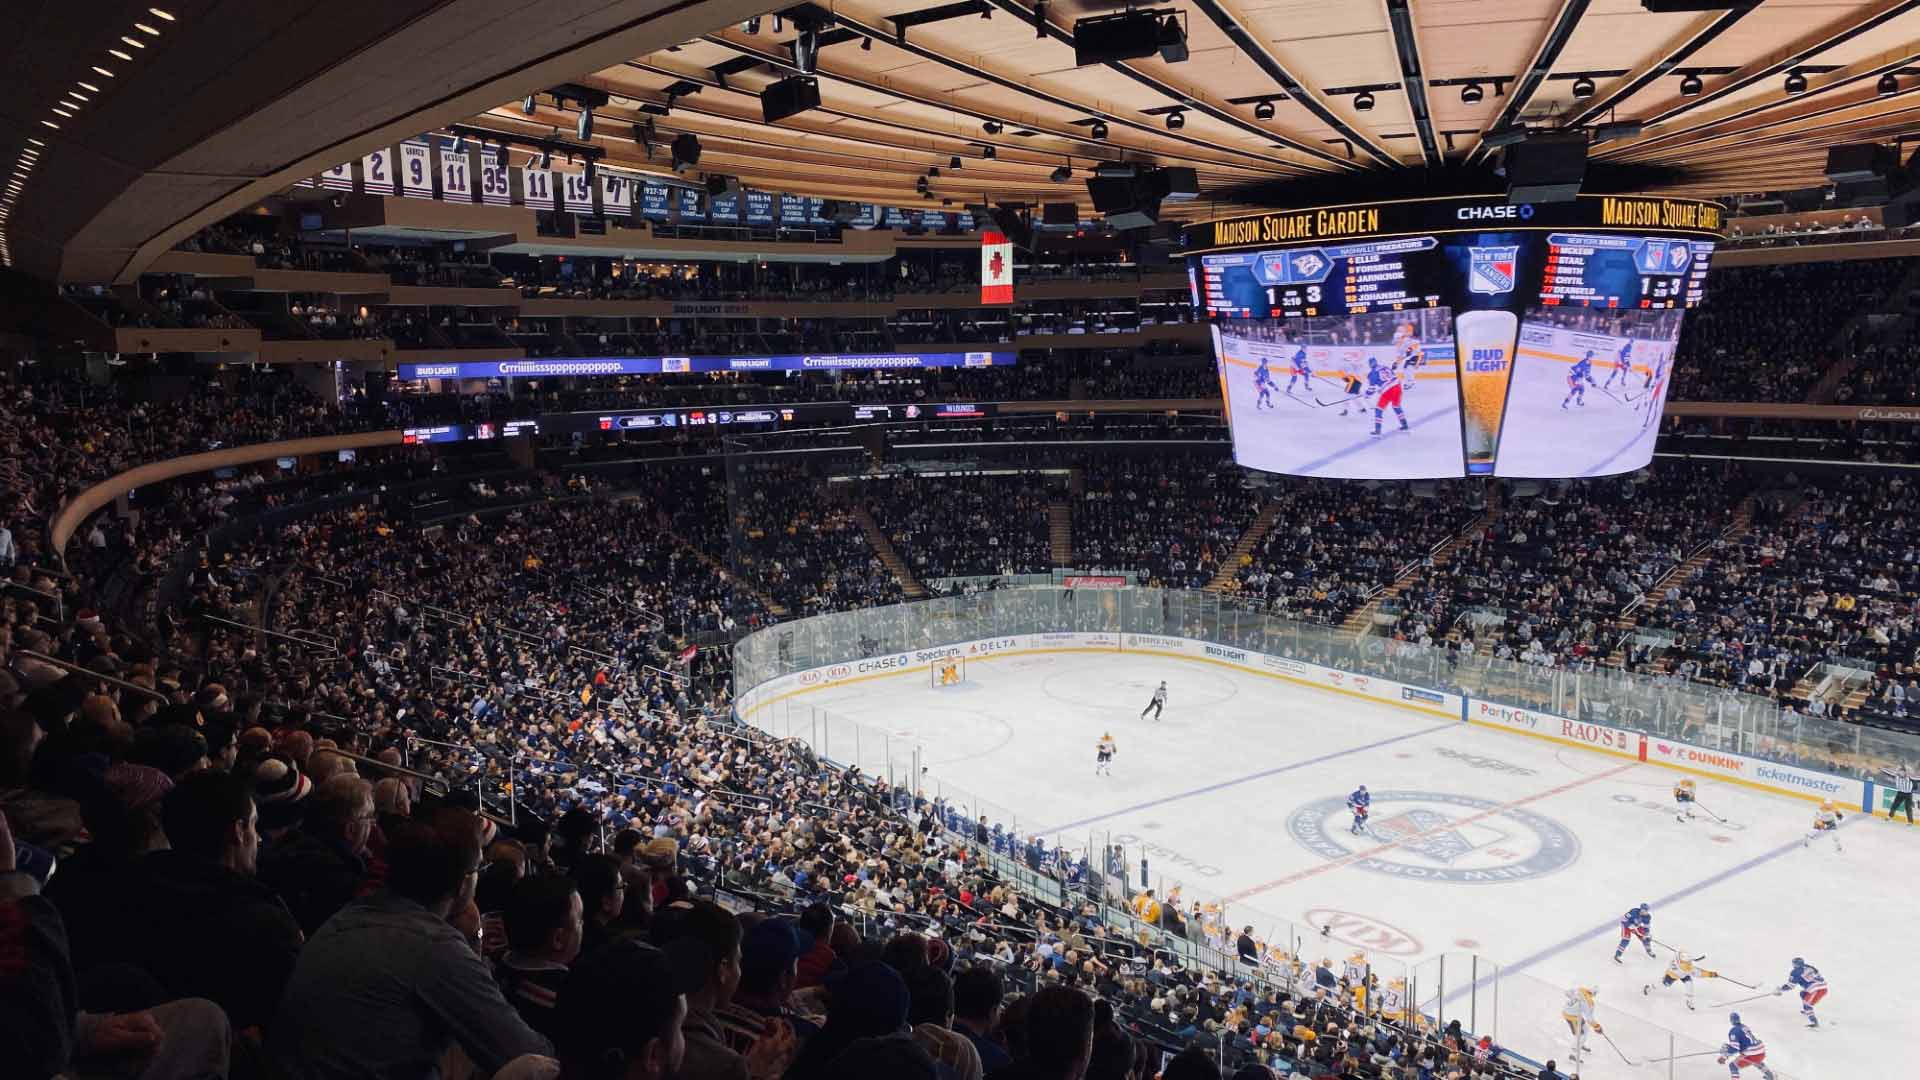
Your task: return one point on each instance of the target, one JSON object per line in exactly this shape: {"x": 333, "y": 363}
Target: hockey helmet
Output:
{"x": 1733, "y": 1018}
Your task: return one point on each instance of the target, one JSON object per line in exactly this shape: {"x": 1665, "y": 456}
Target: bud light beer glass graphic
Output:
{"x": 1485, "y": 340}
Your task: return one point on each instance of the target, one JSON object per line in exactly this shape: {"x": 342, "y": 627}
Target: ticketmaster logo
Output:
{"x": 1795, "y": 779}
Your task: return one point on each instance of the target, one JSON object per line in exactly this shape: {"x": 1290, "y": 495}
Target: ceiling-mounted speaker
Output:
{"x": 1548, "y": 167}
{"x": 686, "y": 151}
{"x": 789, "y": 97}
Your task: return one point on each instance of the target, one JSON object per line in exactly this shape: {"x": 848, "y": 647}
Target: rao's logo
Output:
{"x": 1434, "y": 836}
{"x": 1490, "y": 270}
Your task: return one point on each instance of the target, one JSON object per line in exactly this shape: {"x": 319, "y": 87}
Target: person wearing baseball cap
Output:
{"x": 769, "y": 964}
{"x": 619, "y": 1012}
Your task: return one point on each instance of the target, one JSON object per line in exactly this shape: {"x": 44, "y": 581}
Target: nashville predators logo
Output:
{"x": 1436, "y": 836}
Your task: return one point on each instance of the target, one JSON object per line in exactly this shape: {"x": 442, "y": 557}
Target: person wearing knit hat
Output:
{"x": 278, "y": 790}
{"x": 137, "y": 787}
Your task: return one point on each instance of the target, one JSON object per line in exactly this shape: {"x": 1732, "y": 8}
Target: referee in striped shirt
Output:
{"x": 1903, "y": 781}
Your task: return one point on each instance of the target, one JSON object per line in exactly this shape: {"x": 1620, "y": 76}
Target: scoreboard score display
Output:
{"x": 1450, "y": 337}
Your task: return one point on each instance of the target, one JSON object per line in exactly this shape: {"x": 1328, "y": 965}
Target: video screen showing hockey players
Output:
{"x": 1365, "y": 397}
{"x": 1587, "y": 391}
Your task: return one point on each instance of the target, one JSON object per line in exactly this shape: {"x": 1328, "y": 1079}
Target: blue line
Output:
{"x": 1261, "y": 775}
{"x": 1612, "y": 926}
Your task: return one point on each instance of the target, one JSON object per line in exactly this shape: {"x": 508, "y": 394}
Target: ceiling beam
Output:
{"x": 1406, "y": 49}
{"x": 1698, "y": 36}
{"x": 1544, "y": 58}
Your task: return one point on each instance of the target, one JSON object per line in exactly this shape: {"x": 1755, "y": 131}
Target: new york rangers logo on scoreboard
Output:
{"x": 1490, "y": 270}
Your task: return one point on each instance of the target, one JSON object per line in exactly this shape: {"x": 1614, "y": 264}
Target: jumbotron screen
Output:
{"x": 1450, "y": 337}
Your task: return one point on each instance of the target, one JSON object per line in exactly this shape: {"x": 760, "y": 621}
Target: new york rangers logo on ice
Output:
{"x": 1490, "y": 270}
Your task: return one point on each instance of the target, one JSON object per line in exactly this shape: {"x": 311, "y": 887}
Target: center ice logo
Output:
{"x": 1434, "y": 836}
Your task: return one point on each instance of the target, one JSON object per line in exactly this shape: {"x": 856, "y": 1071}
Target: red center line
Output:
{"x": 1350, "y": 859}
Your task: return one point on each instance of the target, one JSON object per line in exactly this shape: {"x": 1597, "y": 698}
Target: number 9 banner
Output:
{"x": 416, "y": 170}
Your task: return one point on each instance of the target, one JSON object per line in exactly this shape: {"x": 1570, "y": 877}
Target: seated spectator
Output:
{"x": 769, "y": 966}
{"x": 544, "y": 928}
{"x": 621, "y": 1009}
{"x": 869, "y": 1001}
{"x": 318, "y": 867}
{"x": 977, "y": 992}
{"x": 389, "y": 985}
{"x": 1059, "y": 1041}
{"x": 930, "y": 1011}
{"x": 708, "y": 1055}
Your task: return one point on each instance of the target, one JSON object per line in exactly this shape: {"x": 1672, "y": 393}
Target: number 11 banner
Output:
{"x": 456, "y": 177}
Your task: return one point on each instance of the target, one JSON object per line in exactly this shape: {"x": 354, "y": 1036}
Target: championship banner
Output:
{"x": 996, "y": 268}
{"x": 338, "y": 178}
{"x": 536, "y": 188}
{"x": 616, "y": 194}
{"x": 655, "y": 201}
{"x": 416, "y": 170}
{"x": 576, "y": 193}
{"x": 496, "y": 179}
{"x": 376, "y": 172}
{"x": 456, "y": 176}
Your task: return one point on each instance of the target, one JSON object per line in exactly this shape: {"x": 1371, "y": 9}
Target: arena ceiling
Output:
{"x": 1400, "y": 87}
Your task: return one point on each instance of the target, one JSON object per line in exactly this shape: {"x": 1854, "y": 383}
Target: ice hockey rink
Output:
{"x": 1238, "y": 793}
{"x": 1607, "y": 430}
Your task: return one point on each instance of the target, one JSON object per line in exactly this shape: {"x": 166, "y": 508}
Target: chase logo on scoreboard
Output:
{"x": 1490, "y": 270}
{"x": 1436, "y": 836}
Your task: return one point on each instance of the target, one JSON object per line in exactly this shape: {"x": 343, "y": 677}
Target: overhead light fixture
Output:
{"x": 526, "y": 105}
{"x": 103, "y": 71}
{"x": 63, "y": 112}
{"x": 1098, "y": 129}
{"x": 753, "y": 25}
{"x": 992, "y": 127}
{"x": 1472, "y": 93}
{"x": 1691, "y": 85}
{"x": 1062, "y": 174}
{"x": 990, "y": 152}
{"x": 779, "y": 24}
{"x": 159, "y": 14}
{"x": 1176, "y": 119}
{"x": 78, "y": 95}
{"x": 1583, "y": 88}
{"x": 933, "y": 170}
{"x": 36, "y": 142}
{"x": 121, "y": 55}
{"x": 986, "y": 13}
{"x": 1263, "y": 110}
{"x": 1889, "y": 84}
{"x": 133, "y": 41}
{"x": 51, "y": 124}
{"x": 954, "y": 162}
{"x": 583, "y": 127}
{"x": 87, "y": 86}
{"x": 70, "y": 103}
{"x": 145, "y": 29}
{"x": 1796, "y": 83}
{"x": 866, "y": 44}
{"x": 1363, "y": 101}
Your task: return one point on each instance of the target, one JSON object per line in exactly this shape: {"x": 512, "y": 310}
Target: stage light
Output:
{"x": 584, "y": 126}
{"x": 1098, "y": 130}
{"x": 954, "y": 162}
{"x": 1796, "y": 83}
{"x": 1363, "y": 101}
{"x": 1062, "y": 174}
{"x": 526, "y": 105}
{"x": 990, "y": 153}
{"x": 1472, "y": 93}
{"x": 992, "y": 127}
{"x": 753, "y": 25}
{"x": 1263, "y": 110}
{"x": 1176, "y": 119}
{"x": 1691, "y": 85}
{"x": 1889, "y": 84}
{"x": 1583, "y": 88}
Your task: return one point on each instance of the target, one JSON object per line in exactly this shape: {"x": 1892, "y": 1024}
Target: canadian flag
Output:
{"x": 996, "y": 269}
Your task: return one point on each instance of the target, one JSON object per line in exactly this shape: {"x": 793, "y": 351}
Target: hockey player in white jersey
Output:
{"x": 1826, "y": 820}
{"x": 1683, "y": 969}
{"x": 1103, "y": 756}
{"x": 1578, "y": 1013}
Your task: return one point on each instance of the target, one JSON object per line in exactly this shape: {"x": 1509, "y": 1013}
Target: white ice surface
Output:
{"x": 1607, "y": 435}
{"x": 1214, "y": 785}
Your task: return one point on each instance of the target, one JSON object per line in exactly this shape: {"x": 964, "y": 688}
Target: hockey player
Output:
{"x": 1682, "y": 969}
{"x": 1103, "y": 756}
{"x": 1743, "y": 1048}
{"x": 1622, "y": 366}
{"x": 1384, "y": 382}
{"x": 1826, "y": 820}
{"x": 1657, "y": 384}
{"x": 1578, "y": 1013}
{"x": 1351, "y": 384}
{"x": 1263, "y": 382}
{"x": 1301, "y": 369}
{"x": 1636, "y": 923}
{"x": 1159, "y": 701}
{"x": 1812, "y": 988}
{"x": 1684, "y": 798}
{"x": 1360, "y": 803}
{"x": 1578, "y": 379}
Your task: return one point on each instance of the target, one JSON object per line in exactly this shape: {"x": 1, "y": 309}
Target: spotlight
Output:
{"x": 1176, "y": 119}
{"x": 990, "y": 153}
{"x": 459, "y": 145}
{"x": 1796, "y": 83}
{"x": 1583, "y": 88}
{"x": 546, "y": 159}
{"x": 1263, "y": 111}
{"x": 866, "y": 44}
{"x": 933, "y": 170}
{"x": 1061, "y": 175}
{"x": 954, "y": 162}
{"x": 1098, "y": 130}
{"x": 779, "y": 24}
{"x": 1363, "y": 101}
{"x": 526, "y": 105}
{"x": 1889, "y": 84}
{"x": 584, "y": 126}
{"x": 992, "y": 127}
{"x": 1472, "y": 93}
{"x": 1691, "y": 85}
{"x": 753, "y": 25}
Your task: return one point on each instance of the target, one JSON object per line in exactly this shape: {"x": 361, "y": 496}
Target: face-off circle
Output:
{"x": 1438, "y": 836}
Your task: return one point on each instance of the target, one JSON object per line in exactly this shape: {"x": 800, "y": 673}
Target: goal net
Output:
{"x": 948, "y": 671}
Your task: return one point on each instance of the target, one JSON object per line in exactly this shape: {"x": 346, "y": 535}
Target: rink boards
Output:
{"x": 1789, "y": 780}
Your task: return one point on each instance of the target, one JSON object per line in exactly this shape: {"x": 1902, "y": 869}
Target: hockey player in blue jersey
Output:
{"x": 1263, "y": 382}
{"x": 1578, "y": 379}
{"x": 1383, "y": 385}
{"x": 1637, "y": 923}
{"x": 1622, "y": 366}
{"x": 1812, "y": 988}
{"x": 1301, "y": 369}
{"x": 1743, "y": 1048}
{"x": 1359, "y": 803}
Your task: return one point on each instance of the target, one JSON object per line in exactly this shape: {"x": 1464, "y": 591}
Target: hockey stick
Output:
{"x": 1677, "y": 1057}
{"x": 1616, "y": 1049}
{"x": 1713, "y": 815}
{"x": 1742, "y": 1001}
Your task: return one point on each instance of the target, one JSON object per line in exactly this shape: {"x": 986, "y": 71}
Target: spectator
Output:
{"x": 544, "y": 929}
{"x": 869, "y": 1001}
{"x": 769, "y": 965}
{"x": 1191, "y": 1064}
{"x": 930, "y": 1011}
{"x": 388, "y": 985}
{"x": 817, "y": 921}
{"x": 977, "y": 992}
{"x": 603, "y": 890}
{"x": 621, "y": 1009}
{"x": 1059, "y": 1037}
{"x": 708, "y": 1057}
{"x": 321, "y": 865}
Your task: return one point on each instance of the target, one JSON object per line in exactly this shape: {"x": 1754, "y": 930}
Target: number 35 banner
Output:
{"x": 416, "y": 170}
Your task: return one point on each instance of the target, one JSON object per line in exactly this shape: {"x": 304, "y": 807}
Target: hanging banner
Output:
{"x": 996, "y": 268}
{"x": 536, "y": 188}
{"x": 793, "y": 210}
{"x": 338, "y": 178}
{"x": 456, "y": 177}
{"x": 416, "y": 170}
{"x": 496, "y": 179}
{"x": 654, "y": 204}
{"x": 726, "y": 208}
{"x": 376, "y": 172}
{"x": 576, "y": 193}
{"x": 759, "y": 207}
{"x": 691, "y": 210}
{"x": 616, "y": 194}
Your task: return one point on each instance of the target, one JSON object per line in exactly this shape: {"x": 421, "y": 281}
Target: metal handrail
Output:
{"x": 92, "y": 674}
{"x": 332, "y": 646}
{"x": 416, "y": 774}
